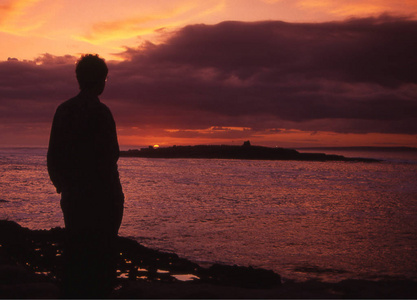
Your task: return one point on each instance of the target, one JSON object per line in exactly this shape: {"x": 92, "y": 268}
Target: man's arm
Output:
{"x": 56, "y": 151}
{"x": 114, "y": 153}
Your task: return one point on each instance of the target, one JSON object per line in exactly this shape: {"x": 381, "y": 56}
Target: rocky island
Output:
{"x": 246, "y": 151}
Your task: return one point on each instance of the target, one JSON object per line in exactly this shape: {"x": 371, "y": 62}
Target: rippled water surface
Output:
{"x": 330, "y": 221}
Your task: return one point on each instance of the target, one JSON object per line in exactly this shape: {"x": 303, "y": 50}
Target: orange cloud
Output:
{"x": 271, "y": 1}
{"x": 18, "y": 17}
{"x": 121, "y": 29}
{"x": 347, "y": 8}
{"x": 12, "y": 14}
{"x": 147, "y": 23}
{"x": 14, "y": 7}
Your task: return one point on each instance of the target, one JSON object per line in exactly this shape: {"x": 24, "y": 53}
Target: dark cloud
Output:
{"x": 359, "y": 50}
{"x": 355, "y": 76}
{"x": 271, "y": 74}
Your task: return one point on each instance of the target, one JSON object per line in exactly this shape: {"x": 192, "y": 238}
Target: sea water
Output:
{"x": 305, "y": 220}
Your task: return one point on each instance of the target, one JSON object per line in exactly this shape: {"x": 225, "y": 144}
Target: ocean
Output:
{"x": 305, "y": 220}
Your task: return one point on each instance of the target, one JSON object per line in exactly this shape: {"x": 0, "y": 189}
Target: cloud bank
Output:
{"x": 257, "y": 78}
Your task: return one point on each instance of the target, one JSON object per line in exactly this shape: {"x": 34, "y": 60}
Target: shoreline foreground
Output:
{"x": 30, "y": 263}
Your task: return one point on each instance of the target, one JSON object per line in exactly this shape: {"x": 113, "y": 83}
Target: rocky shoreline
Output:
{"x": 30, "y": 266}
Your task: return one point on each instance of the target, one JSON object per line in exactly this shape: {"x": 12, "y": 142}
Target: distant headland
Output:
{"x": 245, "y": 151}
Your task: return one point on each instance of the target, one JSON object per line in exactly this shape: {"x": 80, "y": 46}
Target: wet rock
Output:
{"x": 247, "y": 277}
{"x": 40, "y": 252}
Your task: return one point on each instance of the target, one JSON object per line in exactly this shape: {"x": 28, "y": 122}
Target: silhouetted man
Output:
{"x": 82, "y": 163}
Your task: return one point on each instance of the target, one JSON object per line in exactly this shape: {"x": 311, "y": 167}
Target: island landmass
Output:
{"x": 364, "y": 148}
{"x": 245, "y": 151}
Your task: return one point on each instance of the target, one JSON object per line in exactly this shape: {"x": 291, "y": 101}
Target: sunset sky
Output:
{"x": 280, "y": 73}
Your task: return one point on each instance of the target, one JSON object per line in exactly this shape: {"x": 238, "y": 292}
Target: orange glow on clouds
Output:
{"x": 358, "y": 8}
{"x": 33, "y": 27}
{"x": 15, "y": 16}
{"x": 146, "y": 22}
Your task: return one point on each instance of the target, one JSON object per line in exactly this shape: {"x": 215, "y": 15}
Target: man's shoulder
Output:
{"x": 65, "y": 108}
{"x": 76, "y": 103}
{"x": 68, "y": 104}
{"x": 103, "y": 106}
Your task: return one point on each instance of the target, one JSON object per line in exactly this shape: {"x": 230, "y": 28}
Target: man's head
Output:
{"x": 91, "y": 73}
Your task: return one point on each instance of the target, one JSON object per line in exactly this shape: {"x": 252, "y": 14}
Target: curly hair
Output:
{"x": 90, "y": 70}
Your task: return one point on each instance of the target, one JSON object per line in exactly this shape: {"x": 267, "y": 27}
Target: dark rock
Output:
{"x": 247, "y": 277}
{"x": 40, "y": 251}
{"x": 21, "y": 274}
